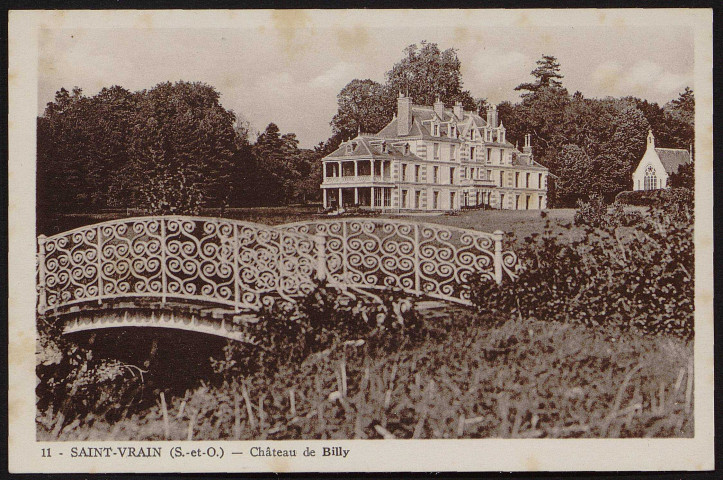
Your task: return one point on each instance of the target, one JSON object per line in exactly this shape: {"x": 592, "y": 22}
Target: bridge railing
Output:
{"x": 228, "y": 262}
{"x": 420, "y": 258}
{"x": 246, "y": 265}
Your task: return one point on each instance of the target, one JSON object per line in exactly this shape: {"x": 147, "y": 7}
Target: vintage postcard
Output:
{"x": 301, "y": 241}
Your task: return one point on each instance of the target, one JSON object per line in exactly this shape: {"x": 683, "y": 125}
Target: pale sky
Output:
{"x": 291, "y": 76}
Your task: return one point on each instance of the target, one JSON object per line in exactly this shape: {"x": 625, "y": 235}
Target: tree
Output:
{"x": 363, "y": 105}
{"x": 573, "y": 181}
{"x": 182, "y": 149}
{"x": 546, "y": 74}
{"x": 683, "y": 107}
{"x": 684, "y": 177}
{"x": 426, "y": 73}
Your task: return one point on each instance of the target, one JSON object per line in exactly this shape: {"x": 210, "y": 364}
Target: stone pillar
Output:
{"x": 339, "y": 163}
{"x": 371, "y": 200}
{"x": 356, "y": 168}
{"x": 356, "y": 193}
{"x": 341, "y": 204}
{"x": 323, "y": 192}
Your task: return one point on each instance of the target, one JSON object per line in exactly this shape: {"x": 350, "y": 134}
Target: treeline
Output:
{"x": 170, "y": 149}
{"x": 175, "y": 149}
{"x": 592, "y": 145}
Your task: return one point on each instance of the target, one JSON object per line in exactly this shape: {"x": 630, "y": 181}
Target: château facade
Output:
{"x": 434, "y": 159}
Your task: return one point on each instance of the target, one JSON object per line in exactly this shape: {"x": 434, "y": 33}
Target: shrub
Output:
{"x": 630, "y": 272}
{"x": 591, "y": 213}
{"x": 655, "y": 197}
{"x": 289, "y": 332}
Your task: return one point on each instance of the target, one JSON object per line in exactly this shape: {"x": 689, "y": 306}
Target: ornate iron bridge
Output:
{"x": 243, "y": 266}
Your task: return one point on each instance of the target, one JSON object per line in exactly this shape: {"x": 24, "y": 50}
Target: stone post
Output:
{"x": 42, "y": 294}
{"x": 320, "y": 239}
{"x": 497, "y": 236}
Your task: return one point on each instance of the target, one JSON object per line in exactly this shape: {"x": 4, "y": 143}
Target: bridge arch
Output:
{"x": 241, "y": 266}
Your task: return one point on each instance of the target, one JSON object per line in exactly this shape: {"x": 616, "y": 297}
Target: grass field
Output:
{"x": 482, "y": 378}
{"x": 521, "y": 223}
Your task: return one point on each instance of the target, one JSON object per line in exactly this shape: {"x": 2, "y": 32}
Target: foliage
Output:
{"x": 655, "y": 197}
{"x": 626, "y": 271}
{"x": 609, "y": 133}
{"x": 547, "y": 74}
{"x": 484, "y": 378}
{"x": 322, "y": 320}
{"x": 426, "y": 73}
{"x": 364, "y": 105}
{"x": 593, "y": 213}
{"x": 684, "y": 177}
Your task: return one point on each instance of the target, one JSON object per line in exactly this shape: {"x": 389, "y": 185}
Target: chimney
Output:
{"x": 528, "y": 143}
{"x": 492, "y": 116}
{"x": 439, "y": 108}
{"x": 404, "y": 114}
{"x": 458, "y": 110}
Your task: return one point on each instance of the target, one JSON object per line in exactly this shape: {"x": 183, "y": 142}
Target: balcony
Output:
{"x": 351, "y": 179}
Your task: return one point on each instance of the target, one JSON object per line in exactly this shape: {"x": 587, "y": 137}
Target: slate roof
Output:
{"x": 371, "y": 148}
{"x": 421, "y": 116}
{"x": 672, "y": 158}
{"x": 523, "y": 160}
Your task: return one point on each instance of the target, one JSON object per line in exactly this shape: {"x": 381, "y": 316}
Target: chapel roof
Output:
{"x": 672, "y": 158}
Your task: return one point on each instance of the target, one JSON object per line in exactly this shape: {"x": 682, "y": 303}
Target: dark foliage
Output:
{"x": 626, "y": 271}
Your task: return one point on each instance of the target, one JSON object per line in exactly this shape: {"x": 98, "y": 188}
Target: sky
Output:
{"x": 291, "y": 76}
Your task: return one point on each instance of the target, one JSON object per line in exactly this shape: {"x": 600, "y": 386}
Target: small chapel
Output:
{"x": 657, "y": 165}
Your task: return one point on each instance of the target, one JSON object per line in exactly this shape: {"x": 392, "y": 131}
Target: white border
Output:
{"x": 367, "y": 455}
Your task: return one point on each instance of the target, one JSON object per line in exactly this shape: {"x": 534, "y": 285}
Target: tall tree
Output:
{"x": 426, "y": 73}
{"x": 547, "y": 74}
{"x": 363, "y": 105}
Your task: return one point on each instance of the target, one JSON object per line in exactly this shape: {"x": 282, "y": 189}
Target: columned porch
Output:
{"x": 365, "y": 197}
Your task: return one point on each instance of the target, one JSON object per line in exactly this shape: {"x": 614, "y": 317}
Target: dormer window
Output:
{"x": 502, "y": 136}
{"x": 453, "y": 131}
{"x": 349, "y": 148}
{"x": 472, "y": 134}
{"x": 435, "y": 130}
{"x": 406, "y": 149}
{"x": 384, "y": 147}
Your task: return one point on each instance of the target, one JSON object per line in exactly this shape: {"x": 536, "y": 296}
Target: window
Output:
{"x": 452, "y": 151}
{"x": 417, "y": 199}
{"x": 435, "y": 129}
{"x": 453, "y": 131}
{"x": 404, "y": 172}
{"x": 544, "y": 181}
{"x": 404, "y": 198}
{"x": 417, "y": 169}
{"x": 517, "y": 179}
{"x": 489, "y": 174}
{"x": 436, "y": 175}
{"x": 527, "y": 180}
{"x": 539, "y": 181}
{"x": 406, "y": 149}
{"x": 436, "y": 151}
{"x": 451, "y": 199}
{"x": 502, "y": 156}
{"x": 472, "y": 134}
{"x": 502, "y": 136}
{"x": 435, "y": 200}
{"x": 465, "y": 199}
{"x": 650, "y": 179}
{"x": 502, "y": 178}
{"x": 471, "y": 153}
{"x": 451, "y": 175}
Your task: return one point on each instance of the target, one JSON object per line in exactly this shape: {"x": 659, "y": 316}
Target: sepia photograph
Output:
{"x": 318, "y": 225}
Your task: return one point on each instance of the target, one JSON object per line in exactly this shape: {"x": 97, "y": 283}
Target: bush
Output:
{"x": 630, "y": 272}
{"x": 323, "y": 320}
{"x": 655, "y": 197}
{"x": 591, "y": 213}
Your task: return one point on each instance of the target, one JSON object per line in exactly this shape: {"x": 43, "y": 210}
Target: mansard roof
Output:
{"x": 371, "y": 147}
{"x": 672, "y": 158}
{"x": 421, "y": 124}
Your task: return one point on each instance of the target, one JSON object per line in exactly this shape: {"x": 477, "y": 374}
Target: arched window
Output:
{"x": 650, "y": 180}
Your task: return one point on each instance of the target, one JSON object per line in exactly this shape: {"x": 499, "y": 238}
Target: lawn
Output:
{"x": 481, "y": 378}
{"x": 521, "y": 223}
